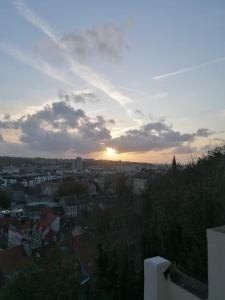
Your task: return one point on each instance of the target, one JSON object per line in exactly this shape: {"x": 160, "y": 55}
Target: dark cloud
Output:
{"x": 111, "y": 122}
{"x": 104, "y": 41}
{"x": 204, "y": 132}
{"x": 81, "y": 97}
{"x": 154, "y": 136}
{"x": 7, "y": 117}
{"x": 59, "y": 127}
{"x": 139, "y": 113}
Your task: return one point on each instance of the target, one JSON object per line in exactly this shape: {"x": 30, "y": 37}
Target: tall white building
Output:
{"x": 78, "y": 164}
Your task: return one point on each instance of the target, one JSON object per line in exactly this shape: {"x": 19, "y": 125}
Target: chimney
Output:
{"x": 155, "y": 284}
{"x": 216, "y": 262}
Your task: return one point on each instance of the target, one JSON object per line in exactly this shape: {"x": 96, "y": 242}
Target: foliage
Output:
{"x": 56, "y": 278}
{"x": 4, "y": 199}
{"x": 115, "y": 277}
{"x": 71, "y": 188}
{"x": 178, "y": 209}
{"x": 169, "y": 220}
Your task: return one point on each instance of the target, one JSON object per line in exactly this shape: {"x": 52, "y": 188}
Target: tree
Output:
{"x": 4, "y": 199}
{"x": 180, "y": 207}
{"x": 71, "y": 188}
{"x": 56, "y": 278}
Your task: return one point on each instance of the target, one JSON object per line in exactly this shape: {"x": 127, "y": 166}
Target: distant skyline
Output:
{"x": 123, "y": 80}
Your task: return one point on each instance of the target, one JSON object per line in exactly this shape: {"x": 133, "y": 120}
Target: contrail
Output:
{"x": 80, "y": 70}
{"x": 36, "y": 63}
{"x": 189, "y": 69}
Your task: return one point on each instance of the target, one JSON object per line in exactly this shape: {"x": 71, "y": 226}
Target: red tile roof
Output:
{"x": 84, "y": 249}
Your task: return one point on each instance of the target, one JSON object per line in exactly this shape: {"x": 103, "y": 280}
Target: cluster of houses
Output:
{"x": 39, "y": 218}
{"x": 37, "y": 229}
{"x": 28, "y": 180}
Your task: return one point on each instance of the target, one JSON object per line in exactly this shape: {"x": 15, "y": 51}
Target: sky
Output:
{"x": 123, "y": 80}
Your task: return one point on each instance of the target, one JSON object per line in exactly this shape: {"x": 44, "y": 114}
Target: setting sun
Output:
{"x": 110, "y": 151}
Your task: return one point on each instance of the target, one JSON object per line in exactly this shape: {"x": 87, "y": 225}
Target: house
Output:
{"x": 40, "y": 228}
{"x": 5, "y": 222}
{"x": 73, "y": 205}
{"x": 139, "y": 185}
{"x": 84, "y": 249}
{"x": 49, "y": 189}
{"x": 164, "y": 282}
{"x": 81, "y": 246}
{"x": 15, "y": 236}
{"x": 91, "y": 189}
{"x": 10, "y": 170}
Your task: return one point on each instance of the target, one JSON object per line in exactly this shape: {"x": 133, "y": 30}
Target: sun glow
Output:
{"x": 111, "y": 152}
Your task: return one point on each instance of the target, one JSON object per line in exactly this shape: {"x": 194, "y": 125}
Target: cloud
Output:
{"x": 78, "y": 96}
{"x": 154, "y": 136}
{"x": 83, "y": 71}
{"x": 189, "y": 69}
{"x": 186, "y": 149}
{"x": 59, "y": 127}
{"x": 139, "y": 113}
{"x": 104, "y": 41}
{"x": 204, "y": 132}
{"x": 7, "y": 117}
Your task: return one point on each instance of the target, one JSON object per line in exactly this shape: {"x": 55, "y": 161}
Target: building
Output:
{"x": 163, "y": 282}
{"x": 84, "y": 249}
{"x": 78, "y": 164}
{"x": 10, "y": 170}
{"x": 139, "y": 185}
{"x": 73, "y": 205}
{"x": 38, "y": 229}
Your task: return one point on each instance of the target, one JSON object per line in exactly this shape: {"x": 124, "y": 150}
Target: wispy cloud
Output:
{"x": 189, "y": 69}
{"x": 84, "y": 72}
{"x": 36, "y": 63}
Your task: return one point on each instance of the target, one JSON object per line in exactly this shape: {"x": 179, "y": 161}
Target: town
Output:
{"x": 112, "y": 150}
{"x": 47, "y": 201}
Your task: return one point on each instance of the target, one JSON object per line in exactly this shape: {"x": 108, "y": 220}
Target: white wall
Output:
{"x": 157, "y": 287}
{"x": 216, "y": 263}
